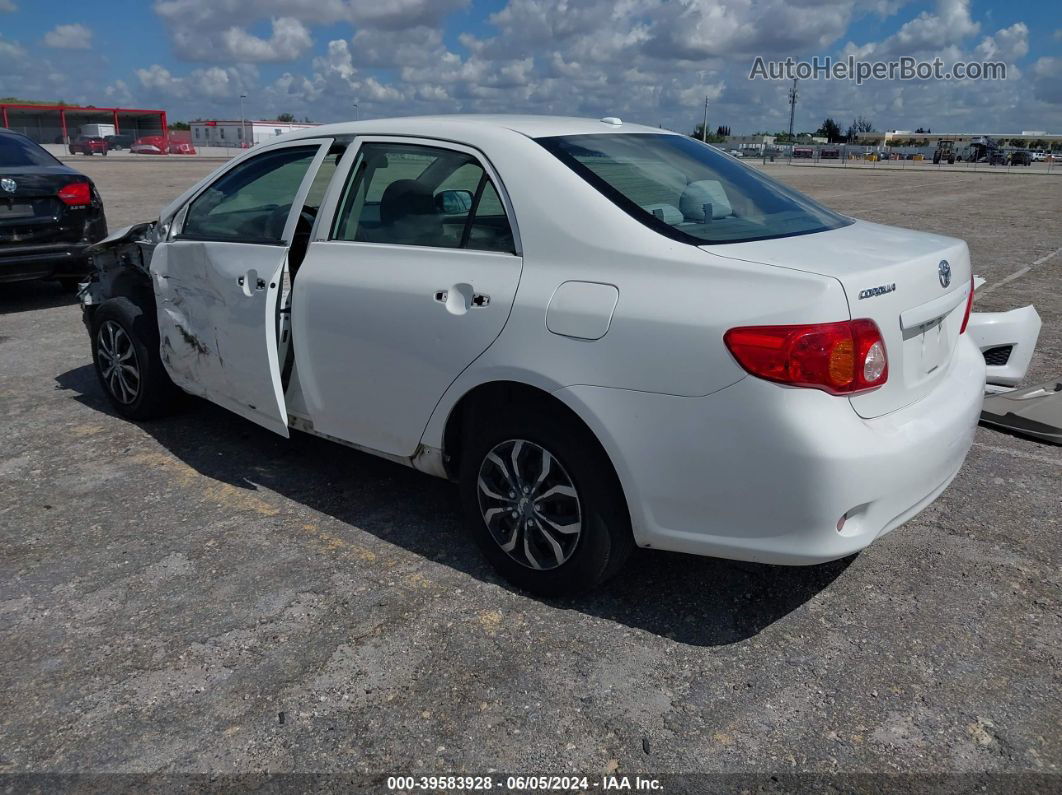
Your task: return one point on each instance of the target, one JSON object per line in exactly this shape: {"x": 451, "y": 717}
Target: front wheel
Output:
{"x": 544, "y": 504}
{"x": 125, "y": 350}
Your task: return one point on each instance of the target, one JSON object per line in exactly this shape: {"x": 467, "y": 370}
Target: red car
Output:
{"x": 181, "y": 148}
{"x": 149, "y": 145}
{"x": 158, "y": 145}
{"x": 89, "y": 145}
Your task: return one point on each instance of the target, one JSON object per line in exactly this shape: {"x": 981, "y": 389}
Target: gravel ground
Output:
{"x": 197, "y": 594}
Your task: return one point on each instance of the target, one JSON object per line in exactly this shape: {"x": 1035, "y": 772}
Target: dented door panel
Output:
{"x": 217, "y": 281}
{"x": 217, "y": 324}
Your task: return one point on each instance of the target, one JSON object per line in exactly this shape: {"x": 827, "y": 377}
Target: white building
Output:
{"x": 241, "y": 134}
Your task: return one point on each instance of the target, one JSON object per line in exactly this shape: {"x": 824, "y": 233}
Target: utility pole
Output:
{"x": 243, "y": 121}
{"x": 355, "y": 111}
{"x": 792, "y": 108}
{"x": 704, "y": 126}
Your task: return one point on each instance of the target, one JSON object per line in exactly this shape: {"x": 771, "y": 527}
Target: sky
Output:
{"x": 649, "y": 61}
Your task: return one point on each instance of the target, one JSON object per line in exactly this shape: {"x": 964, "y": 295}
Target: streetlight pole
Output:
{"x": 243, "y": 121}
{"x": 792, "y": 108}
{"x": 355, "y": 111}
{"x": 704, "y": 125}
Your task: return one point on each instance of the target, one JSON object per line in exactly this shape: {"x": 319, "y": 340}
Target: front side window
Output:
{"x": 250, "y": 203}
{"x": 688, "y": 190}
{"x": 406, "y": 194}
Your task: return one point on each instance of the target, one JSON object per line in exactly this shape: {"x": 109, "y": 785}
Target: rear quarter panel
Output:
{"x": 675, "y": 301}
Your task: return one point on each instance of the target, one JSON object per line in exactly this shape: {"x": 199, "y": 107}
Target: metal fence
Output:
{"x": 846, "y": 155}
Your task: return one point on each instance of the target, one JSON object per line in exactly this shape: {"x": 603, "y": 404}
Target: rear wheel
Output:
{"x": 125, "y": 350}
{"x": 543, "y": 503}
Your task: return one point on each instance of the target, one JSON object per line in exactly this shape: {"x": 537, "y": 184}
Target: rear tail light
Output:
{"x": 76, "y": 193}
{"x": 969, "y": 307}
{"x": 840, "y": 358}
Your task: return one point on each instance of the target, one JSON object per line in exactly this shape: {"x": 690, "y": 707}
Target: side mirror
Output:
{"x": 453, "y": 202}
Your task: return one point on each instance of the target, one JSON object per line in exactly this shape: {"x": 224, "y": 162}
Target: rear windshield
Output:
{"x": 688, "y": 190}
{"x": 18, "y": 151}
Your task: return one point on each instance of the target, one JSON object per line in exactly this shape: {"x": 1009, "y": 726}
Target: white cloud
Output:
{"x": 213, "y": 83}
{"x": 928, "y": 34}
{"x": 644, "y": 60}
{"x": 7, "y": 6}
{"x": 1006, "y": 44}
{"x": 416, "y": 46}
{"x": 11, "y": 50}
{"x": 1047, "y": 80}
{"x": 118, "y": 93}
{"x": 206, "y": 30}
{"x": 69, "y": 37}
{"x": 289, "y": 41}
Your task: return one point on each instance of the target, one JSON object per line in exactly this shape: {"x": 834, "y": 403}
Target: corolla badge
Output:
{"x": 8, "y": 184}
{"x": 944, "y": 273}
{"x": 882, "y": 289}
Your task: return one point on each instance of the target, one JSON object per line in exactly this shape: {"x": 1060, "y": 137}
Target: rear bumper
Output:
{"x": 43, "y": 261}
{"x": 763, "y": 472}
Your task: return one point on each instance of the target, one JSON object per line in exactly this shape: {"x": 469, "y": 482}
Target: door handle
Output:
{"x": 480, "y": 299}
{"x": 259, "y": 283}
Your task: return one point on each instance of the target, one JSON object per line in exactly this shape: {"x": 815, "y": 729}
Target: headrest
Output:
{"x": 700, "y": 193}
{"x": 405, "y": 197}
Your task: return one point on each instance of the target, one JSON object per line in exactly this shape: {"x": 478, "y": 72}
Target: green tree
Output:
{"x": 713, "y": 138}
{"x": 179, "y": 125}
{"x": 285, "y": 117}
{"x": 830, "y": 130}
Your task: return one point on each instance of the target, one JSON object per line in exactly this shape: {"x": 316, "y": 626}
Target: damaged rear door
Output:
{"x": 217, "y": 280}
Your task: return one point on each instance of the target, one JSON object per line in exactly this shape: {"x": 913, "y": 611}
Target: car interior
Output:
{"x": 417, "y": 195}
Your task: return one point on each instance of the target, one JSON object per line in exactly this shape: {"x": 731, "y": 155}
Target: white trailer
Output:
{"x": 97, "y": 130}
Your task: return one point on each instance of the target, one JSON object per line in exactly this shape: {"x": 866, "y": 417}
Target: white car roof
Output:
{"x": 472, "y": 126}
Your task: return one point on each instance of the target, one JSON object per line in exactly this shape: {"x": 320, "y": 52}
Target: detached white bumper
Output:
{"x": 763, "y": 472}
{"x": 1007, "y": 340}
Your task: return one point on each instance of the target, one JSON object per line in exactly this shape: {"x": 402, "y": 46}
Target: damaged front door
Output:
{"x": 217, "y": 280}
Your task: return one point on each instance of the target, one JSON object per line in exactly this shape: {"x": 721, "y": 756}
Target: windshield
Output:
{"x": 688, "y": 190}
{"x": 18, "y": 151}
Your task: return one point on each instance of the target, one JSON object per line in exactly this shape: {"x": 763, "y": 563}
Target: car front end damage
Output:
{"x": 120, "y": 266}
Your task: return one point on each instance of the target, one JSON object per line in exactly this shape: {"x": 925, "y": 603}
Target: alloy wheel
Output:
{"x": 118, "y": 362}
{"x": 529, "y": 504}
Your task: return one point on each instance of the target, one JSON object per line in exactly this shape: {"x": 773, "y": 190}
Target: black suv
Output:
{"x": 49, "y": 214}
{"x": 1019, "y": 158}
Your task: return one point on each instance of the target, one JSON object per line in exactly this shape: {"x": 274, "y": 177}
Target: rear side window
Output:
{"x": 688, "y": 190}
{"x": 18, "y": 151}
{"x": 250, "y": 203}
{"x": 406, "y": 194}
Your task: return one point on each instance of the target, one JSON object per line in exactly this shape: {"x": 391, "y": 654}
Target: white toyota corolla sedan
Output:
{"x": 609, "y": 335}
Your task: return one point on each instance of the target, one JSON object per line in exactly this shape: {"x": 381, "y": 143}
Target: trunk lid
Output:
{"x": 894, "y": 277}
{"x": 34, "y": 204}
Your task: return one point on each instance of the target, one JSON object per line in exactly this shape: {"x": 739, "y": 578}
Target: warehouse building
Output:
{"x": 241, "y": 134}
{"x": 59, "y": 124}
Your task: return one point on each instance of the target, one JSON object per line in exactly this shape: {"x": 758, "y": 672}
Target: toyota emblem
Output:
{"x": 944, "y": 273}
{"x": 8, "y": 184}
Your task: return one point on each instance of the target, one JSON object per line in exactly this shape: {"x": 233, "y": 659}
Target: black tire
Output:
{"x": 604, "y": 540}
{"x": 151, "y": 393}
